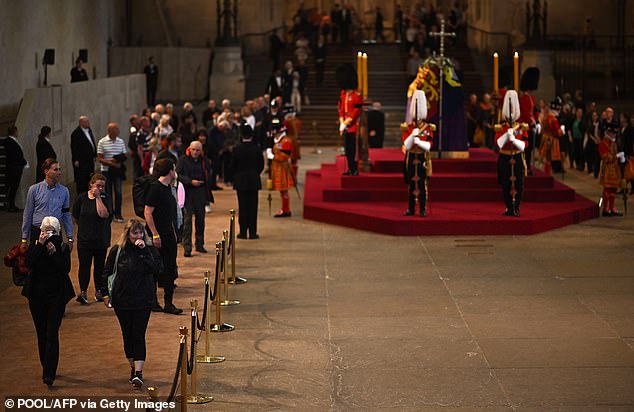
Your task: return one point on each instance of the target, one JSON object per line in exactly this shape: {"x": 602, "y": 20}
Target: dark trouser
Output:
{"x": 350, "y": 141}
{"x": 151, "y": 95}
{"x": 86, "y": 257}
{"x": 577, "y": 149}
{"x": 47, "y": 317}
{"x": 248, "y": 212}
{"x": 13, "y": 183}
{"x": 528, "y": 152}
{"x": 504, "y": 179}
{"x": 113, "y": 184}
{"x": 415, "y": 167}
{"x": 195, "y": 208}
{"x": 227, "y": 171}
{"x": 137, "y": 169}
{"x": 168, "y": 256}
{"x": 591, "y": 157}
{"x": 82, "y": 181}
{"x": 133, "y": 326}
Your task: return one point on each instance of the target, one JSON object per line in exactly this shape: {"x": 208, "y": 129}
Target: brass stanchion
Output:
{"x": 234, "y": 280}
{"x": 207, "y": 358}
{"x": 194, "y": 396}
{"x": 183, "y": 397}
{"x": 225, "y": 276}
{"x": 219, "y": 326}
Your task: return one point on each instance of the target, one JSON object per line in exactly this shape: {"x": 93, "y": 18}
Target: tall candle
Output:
{"x": 496, "y": 63}
{"x": 359, "y": 71}
{"x": 516, "y": 70}
{"x": 365, "y": 75}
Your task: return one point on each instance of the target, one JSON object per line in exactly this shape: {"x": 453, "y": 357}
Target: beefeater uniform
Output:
{"x": 610, "y": 172}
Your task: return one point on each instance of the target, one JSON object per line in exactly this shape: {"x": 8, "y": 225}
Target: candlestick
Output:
{"x": 516, "y": 70}
{"x": 359, "y": 71}
{"x": 365, "y": 75}
{"x": 496, "y": 63}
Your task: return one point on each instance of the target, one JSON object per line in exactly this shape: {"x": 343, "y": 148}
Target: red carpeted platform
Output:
{"x": 464, "y": 198}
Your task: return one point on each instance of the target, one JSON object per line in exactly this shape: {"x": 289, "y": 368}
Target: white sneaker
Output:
{"x": 207, "y": 209}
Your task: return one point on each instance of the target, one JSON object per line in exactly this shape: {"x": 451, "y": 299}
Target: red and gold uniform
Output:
{"x": 281, "y": 173}
{"x": 417, "y": 141}
{"x": 293, "y": 126}
{"x": 609, "y": 175}
{"x": 350, "y": 104}
{"x": 549, "y": 149}
{"x": 527, "y": 116}
{"x": 511, "y": 165}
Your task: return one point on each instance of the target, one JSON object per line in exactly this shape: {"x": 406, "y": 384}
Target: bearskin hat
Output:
{"x": 346, "y": 77}
{"x": 530, "y": 79}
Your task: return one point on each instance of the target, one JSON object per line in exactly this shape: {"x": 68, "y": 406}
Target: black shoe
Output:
{"x": 131, "y": 375}
{"x": 516, "y": 213}
{"x": 354, "y": 173}
{"x": 48, "y": 381}
{"x": 137, "y": 380}
{"x": 347, "y": 173}
{"x": 241, "y": 236}
{"x": 616, "y": 213}
{"x": 606, "y": 214}
{"x": 408, "y": 213}
{"x": 171, "y": 309}
{"x": 508, "y": 212}
{"x": 283, "y": 214}
{"x": 187, "y": 254}
{"x": 423, "y": 212}
{"x": 201, "y": 249}
{"x": 82, "y": 298}
{"x": 256, "y": 236}
{"x": 157, "y": 308}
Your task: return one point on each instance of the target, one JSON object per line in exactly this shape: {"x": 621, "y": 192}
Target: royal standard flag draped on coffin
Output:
{"x": 454, "y": 123}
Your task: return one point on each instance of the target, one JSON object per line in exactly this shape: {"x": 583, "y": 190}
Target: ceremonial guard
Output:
{"x": 417, "y": 141}
{"x": 528, "y": 84}
{"x": 610, "y": 172}
{"x": 293, "y": 126}
{"x": 552, "y": 131}
{"x": 511, "y": 138}
{"x": 282, "y": 177}
{"x": 350, "y": 104}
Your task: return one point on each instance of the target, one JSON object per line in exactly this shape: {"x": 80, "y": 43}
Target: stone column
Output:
{"x": 227, "y": 75}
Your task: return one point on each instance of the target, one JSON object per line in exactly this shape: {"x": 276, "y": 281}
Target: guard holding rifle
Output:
{"x": 417, "y": 141}
{"x": 511, "y": 138}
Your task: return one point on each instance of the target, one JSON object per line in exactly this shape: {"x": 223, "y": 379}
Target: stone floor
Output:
{"x": 338, "y": 319}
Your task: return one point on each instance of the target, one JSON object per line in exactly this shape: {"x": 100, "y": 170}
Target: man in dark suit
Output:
{"x": 151, "y": 81}
{"x": 247, "y": 164}
{"x": 15, "y": 166}
{"x": 44, "y": 150}
{"x": 83, "y": 150}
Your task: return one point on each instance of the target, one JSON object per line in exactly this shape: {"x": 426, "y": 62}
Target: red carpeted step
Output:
{"x": 468, "y": 202}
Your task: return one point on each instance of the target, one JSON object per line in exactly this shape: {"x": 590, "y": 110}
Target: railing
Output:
{"x": 485, "y": 41}
{"x": 258, "y": 43}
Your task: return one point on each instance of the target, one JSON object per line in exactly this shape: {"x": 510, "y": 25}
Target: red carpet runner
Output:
{"x": 464, "y": 199}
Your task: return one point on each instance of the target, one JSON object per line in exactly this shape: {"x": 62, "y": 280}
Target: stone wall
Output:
{"x": 27, "y": 27}
{"x": 183, "y": 71}
{"x": 103, "y": 101}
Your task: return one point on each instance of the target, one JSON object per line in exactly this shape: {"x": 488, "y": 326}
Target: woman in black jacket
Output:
{"x": 131, "y": 290}
{"x": 48, "y": 289}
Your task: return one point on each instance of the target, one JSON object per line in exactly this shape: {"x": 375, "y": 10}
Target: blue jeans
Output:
{"x": 114, "y": 182}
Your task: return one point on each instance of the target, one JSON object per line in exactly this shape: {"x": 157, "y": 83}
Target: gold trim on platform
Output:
{"x": 451, "y": 155}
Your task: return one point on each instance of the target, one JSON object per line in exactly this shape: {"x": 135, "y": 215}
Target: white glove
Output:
{"x": 342, "y": 127}
{"x": 563, "y": 129}
{"x": 269, "y": 154}
{"x": 519, "y": 145}
{"x": 511, "y": 134}
{"x": 621, "y": 157}
{"x": 417, "y": 140}
{"x": 409, "y": 142}
{"x": 424, "y": 145}
{"x": 538, "y": 128}
{"x": 502, "y": 140}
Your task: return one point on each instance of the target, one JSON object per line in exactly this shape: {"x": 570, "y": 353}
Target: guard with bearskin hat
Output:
{"x": 528, "y": 114}
{"x": 417, "y": 141}
{"x": 511, "y": 139}
{"x": 350, "y": 105}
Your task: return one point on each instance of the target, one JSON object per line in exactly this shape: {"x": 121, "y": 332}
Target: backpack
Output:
{"x": 139, "y": 192}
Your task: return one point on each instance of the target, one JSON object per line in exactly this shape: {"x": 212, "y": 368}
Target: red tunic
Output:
{"x": 280, "y": 165}
{"x": 425, "y": 133}
{"x": 549, "y": 148}
{"x": 610, "y": 173}
{"x": 350, "y": 108}
{"x": 527, "y": 109}
{"x": 523, "y": 136}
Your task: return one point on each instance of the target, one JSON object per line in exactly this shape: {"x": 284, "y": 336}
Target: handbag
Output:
{"x": 16, "y": 260}
{"x": 113, "y": 276}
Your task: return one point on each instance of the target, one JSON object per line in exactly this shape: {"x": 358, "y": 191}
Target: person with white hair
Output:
{"x": 48, "y": 289}
{"x": 511, "y": 139}
{"x": 194, "y": 171}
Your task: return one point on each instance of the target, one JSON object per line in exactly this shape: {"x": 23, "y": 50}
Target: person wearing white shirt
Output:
{"x": 111, "y": 152}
